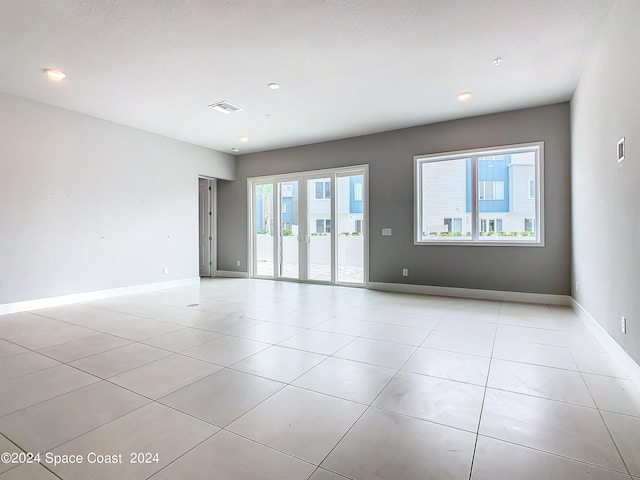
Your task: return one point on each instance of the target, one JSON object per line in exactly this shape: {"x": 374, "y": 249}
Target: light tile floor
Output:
{"x": 249, "y": 379}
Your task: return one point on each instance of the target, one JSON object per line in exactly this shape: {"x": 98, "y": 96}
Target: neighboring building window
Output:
{"x": 490, "y": 190}
{"x": 286, "y": 207}
{"x": 480, "y": 196}
{"x": 286, "y": 226}
{"x": 357, "y": 192}
{"x": 491, "y": 225}
{"x": 529, "y": 224}
{"x": 358, "y": 225}
{"x": 323, "y": 226}
{"x": 454, "y": 225}
{"x": 323, "y": 189}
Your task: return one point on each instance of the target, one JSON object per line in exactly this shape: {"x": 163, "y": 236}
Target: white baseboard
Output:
{"x": 231, "y": 274}
{"x": 521, "y": 297}
{"x": 96, "y": 295}
{"x": 628, "y": 364}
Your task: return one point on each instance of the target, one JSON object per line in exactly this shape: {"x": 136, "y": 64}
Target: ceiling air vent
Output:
{"x": 225, "y": 107}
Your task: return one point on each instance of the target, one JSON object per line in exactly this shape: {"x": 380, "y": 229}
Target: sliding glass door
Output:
{"x": 319, "y": 222}
{"x": 289, "y": 230}
{"x": 350, "y": 228}
{"x": 321, "y": 230}
{"x": 263, "y": 229}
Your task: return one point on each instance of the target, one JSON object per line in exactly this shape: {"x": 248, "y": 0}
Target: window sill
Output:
{"x": 481, "y": 243}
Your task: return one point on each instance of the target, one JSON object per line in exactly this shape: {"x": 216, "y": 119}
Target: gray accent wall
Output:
{"x": 606, "y": 196}
{"x": 389, "y": 155}
{"x": 88, "y": 205}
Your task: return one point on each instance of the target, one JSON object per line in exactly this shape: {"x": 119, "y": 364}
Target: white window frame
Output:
{"x": 476, "y": 239}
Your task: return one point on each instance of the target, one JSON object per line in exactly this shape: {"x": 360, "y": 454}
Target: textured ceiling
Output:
{"x": 347, "y": 67}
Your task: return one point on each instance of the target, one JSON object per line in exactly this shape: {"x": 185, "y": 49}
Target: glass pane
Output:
{"x": 357, "y": 191}
{"x": 349, "y": 239}
{"x": 289, "y": 246}
{"x": 319, "y": 213}
{"x": 511, "y": 204}
{"x": 446, "y": 200}
{"x": 263, "y": 208}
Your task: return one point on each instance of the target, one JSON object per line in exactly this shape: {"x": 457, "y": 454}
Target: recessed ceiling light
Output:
{"x": 274, "y": 86}
{"x": 235, "y": 150}
{"x": 496, "y": 61}
{"x": 464, "y": 96}
{"x": 244, "y": 139}
{"x": 54, "y": 74}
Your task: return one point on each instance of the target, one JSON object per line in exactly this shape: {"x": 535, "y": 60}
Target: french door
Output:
{"x": 310, "y": 226}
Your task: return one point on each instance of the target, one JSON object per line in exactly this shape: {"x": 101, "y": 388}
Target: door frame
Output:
{"x": 212, "y": 224}
{"x": 303, "y": 176}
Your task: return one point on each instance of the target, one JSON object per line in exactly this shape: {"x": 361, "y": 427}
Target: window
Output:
{"x": 357, "y": 192}
{"x": 323, "y": 226}
{"x": 490, "y": 190}
{"x": 286, "y": 206}
{"x": 454, "y": 225}
{"x": 529, "y": 224}
{"x": 323, "y": 189}
{"x": 491, "y": 225}
{"x": 486, "y": 196}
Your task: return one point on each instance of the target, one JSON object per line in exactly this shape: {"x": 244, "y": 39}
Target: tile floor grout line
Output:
{"x": 615, "y": 444}
{"x": 484, "y": 397}
{"x": 183, "y": 454}
{"x": 368, "y": 407}
{"x": 94, "y": 428}
{"x": 554, "y": 454}
{"x": 52, "y": 398}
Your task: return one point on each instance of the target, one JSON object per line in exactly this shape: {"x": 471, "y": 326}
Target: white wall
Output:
{"x": 88, "y": 205}
{"x": 606, "y": 197}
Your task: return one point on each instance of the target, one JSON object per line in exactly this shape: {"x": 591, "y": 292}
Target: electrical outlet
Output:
{"x": 405, "y": 272}
{"x": 165, "y": 271}
{"x": 623, "y": 323}
{"x": 386, "y": 232}
{"x": 237, "y": 263}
